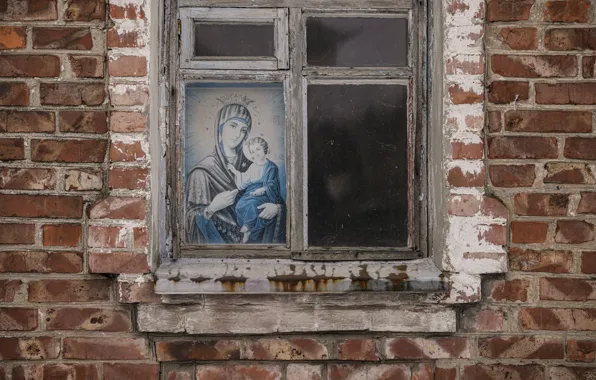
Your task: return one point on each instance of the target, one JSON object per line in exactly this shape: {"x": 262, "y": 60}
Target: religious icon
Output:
{"x": 235, "y": 170}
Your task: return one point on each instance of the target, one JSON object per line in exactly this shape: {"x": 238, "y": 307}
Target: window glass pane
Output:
{"x": 234, "y": 40}
{"x": 353, "y": 42}
{"x": 357, "y": 165}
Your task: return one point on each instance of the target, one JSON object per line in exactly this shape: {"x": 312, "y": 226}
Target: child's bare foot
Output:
{"x": 246, "y": 237}
{"x": 244, "y": 229}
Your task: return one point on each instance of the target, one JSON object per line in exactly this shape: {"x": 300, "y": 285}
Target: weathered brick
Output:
{"x": 122, "y": 151}
{"x": 304, "y": 372}
{"x": 107, "y": 237}
{"x": 548, "y": 121}
{"x": 589, "y": 67}
{"x": 466, "y": 151}
{"x": 187, "y": 350}
{"x": 567, "y": 11}
{"x": 89, "y": 319}
{"x": 287, "y": 349}
{"x": 540, "y": 261}
{"x": 504, "y": 92}
{"x": 41, "y": 206}
{"x": 423, "y": 371}
{"x": 572, "y": 373}
{"x": 494, "y": 234}
{"x": 522, "y": 347}
{"x": 127, "y": 11}
{"x": 140, "y": 237}
{"x": 13, "y": 233}
{"x": 12, "y": 149}
{"x": 123, "y": 38}
{"x": 64, "y": 235}
{"x": 124, "y": 122}
{"x": 539, "y": 318}
{"x": 129, "y": 95}
{"x": 13, "y": 37}
{"x": 56, "y": 371}
{"x": 427, "y": 348}
{"x": 580, "y": 148}
{"x": 520, "y": 38}
{"x": 537, "y": 204}
{"x": 18, "y": 319}
{"x": 244, "y": 372}
{"x": 461, "y": 95}
{"x": 535, "y": 66}
{"x": 69, "y": 290}
{"x": 126, "y": 178}
{"x": 567, "y": 289}
{"x": 483, "y": 320}
{"x": 118, "y": 262}
{"x": 29, "y": 66}
{"x": 68, "y": 150}
{"x": 588, "y": 262}
{"x": 509, "y": 10}
{"x": 565, "y": 93}
{"x": 62, "y": 38}
{"x": 494, "y": 121}
{"x": 72, "y": 94}
{"x": 566, "y": 172}
{"x": 41, "y": 262}
{"x": 85, "y": 10}
{"x": 83, "y": 180}
{"x": 30, "y": 10}
{"x": 33, "y": 348}
{"x": 465, "y": 65}
{"x": 27, "y": 179}
{"x": 459, "y": 177}
{"x": 179, "y": 372}
{"x": 106, "y": 349}
{"x": 357, "y": 349}
{"x": 14, "y": 94}
{"x": 26, "y": 121}
{"x": 502, "y": 372}
{"x": 128, "y": 66}
{"x": 512, "y": 175}
{"x": 522, "y": 147}
{"x": 574, "y": 231}
{"x": 132, "y": 292}
{"x": 587, "y": 203}
{"x": 446, "y": 374}
{"x": 581, "y": 350}
{"x": 8, "y": 289}
{"x": 130, "y": 371}
{"x": 118, "y": 208}
{"x": 512, "y": 290}
{"x": 87, "y": 66}
{"x": 369, "y": 372}
{"x": 570, "y": 39}
{"x": 83, "y": 122}
{"x": 528, "y": 232}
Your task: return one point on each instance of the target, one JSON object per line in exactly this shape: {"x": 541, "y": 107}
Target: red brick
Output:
{"x": 121, "y": 151}
{"x": 122, "y": 94}
{"x": 85, "y": 10}
{"x": 512, "y": 175}
{"x": 118, "y": 262}
{"x": 484, "y": 320}
{"x": 528, "y": 232}
{"x": 13, "y": 37}
{"x": 548, "y": 121}
{"x": 446, "y": 374}
{"x": 423, "y": 371}
{"x": 118, "y": 208}
{"x": 427, "y": 348}
{"x": 529, "y": 260}
{"x": 467, "y": 65}
{"x": 27, "y": 179}
{"x": 141, "y": 239}
{"x": 106, "y": 349}
{"x": 107, "y": 237}
{"x": 567, "y": 289}
{"x": 179, "y": 372}
{"x": 580, "y": 148}
{"x": 574, "y": 231}
{"x": 13, "y": 233}
{"x": 129, "y": 371}
{"x": 32, "y": 10}
{"x": 460, "y": 178}
{"x": 88, "y": 319}
{"x": 18, "y": 319}
{"x": 502, "y": 372}
{"x": 512, "y": 290}
{"x": 572, "y": 373}
{"x": 581, "y": 350}
{"x": 587, "y": 203}
{"x": 522, "y": 347}
{"x": 541, "y": 204}
{"x": 464, "y": 205}
{"x": 304, "y": 372}
{"x": 509, "y": 10}
{"x": 565, "y": 172}
{"x": 69, "y": 290}
{"x": 12, "y": 149}
{"x": 128, "y": 178}
{"x": 494, "y": 234}
{"x": 357, "y": 349}
{"x": 504, "y": 92}
{"x": 369, "y": 372}
{"x": 64, "y": 235}
{"x": 26, "y": 121}
{"x": 14, "y": 94}
{"x": 87, "y": 67}
{"x": 41, "y": 262}
{"x": 29, "y": 66}
{"x": 124, "y": 39}
{"x": 128, "y": 12}
{"x": 72, "y": 94}
{"x": 8, "y": 289}
{"x": 589, "y": 67}
{"x": 68, "y": 150}
{"x": 495, "y": 121}
{"x": 188, "y": 350}
{"x": 538, "y": 318}
{"x": 62, "y": 38}
{"x": 137, "y": 292}
{"x": 83, "y": 180}
{"x": 570, "y": 39}
{"x": 56, "y": 371}
{"x": 522, "y": 147}
{"x": 128, "y": 122}
{"x": 520, "y": 38}
{"x": 128, "y": 66}
{"x": 535, "y": 66}
{"x": 566, "y": 93}
{"x": 41, "y": 206}
{"x": 287, "y": 349}
{"x": 32, "y": 348}
{"x": 459, "y": 95}
{"x": 462, "y": 151}
{"x": 83, "y": 122}
{"x": 567, "y": 11}
{"x": 240, "y": 372}
{"x": 588, "y": 262}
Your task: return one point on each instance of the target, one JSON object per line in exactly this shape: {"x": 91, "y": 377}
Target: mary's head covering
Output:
{"x": 227, "y": 113}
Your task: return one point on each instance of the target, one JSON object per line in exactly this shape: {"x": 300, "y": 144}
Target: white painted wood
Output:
{"x": 331, "y": 4}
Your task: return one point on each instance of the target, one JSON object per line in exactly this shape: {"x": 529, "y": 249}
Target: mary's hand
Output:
{"x": 223, "y": 200}
{"x": 268, "y": 210}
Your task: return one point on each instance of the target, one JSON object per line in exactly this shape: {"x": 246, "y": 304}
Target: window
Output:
{"x": 298, "y": 131}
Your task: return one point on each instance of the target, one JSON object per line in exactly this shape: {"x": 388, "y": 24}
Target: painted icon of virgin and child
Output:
{"x": 230, "y": 200}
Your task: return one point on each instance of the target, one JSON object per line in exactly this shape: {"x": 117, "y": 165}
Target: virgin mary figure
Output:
{"x": 211, "y": 191}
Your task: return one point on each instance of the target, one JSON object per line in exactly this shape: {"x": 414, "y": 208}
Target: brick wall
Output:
{"x": 74, "y": 166}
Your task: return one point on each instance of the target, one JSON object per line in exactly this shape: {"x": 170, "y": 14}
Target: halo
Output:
{"x": 233, "y": 98}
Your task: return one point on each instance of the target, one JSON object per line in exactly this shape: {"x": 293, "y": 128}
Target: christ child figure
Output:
{"x": 260, "y": 183}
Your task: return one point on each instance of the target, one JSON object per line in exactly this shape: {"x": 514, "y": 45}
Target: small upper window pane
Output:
{"x": 234, "y": 40}
{"x": 357, "y": 42}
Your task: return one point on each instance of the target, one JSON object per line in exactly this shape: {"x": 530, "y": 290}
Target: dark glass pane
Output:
{"x": 234, "y": 40}
{"x": 353, "y": 42}
{"x": 357, "y": 165}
